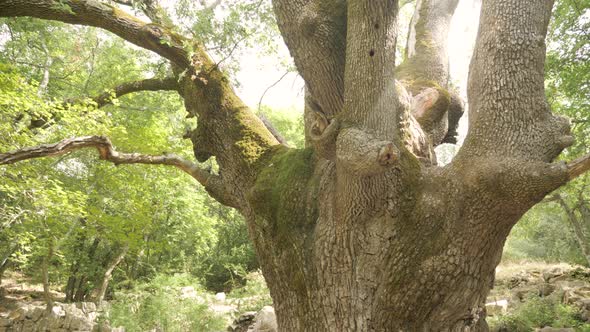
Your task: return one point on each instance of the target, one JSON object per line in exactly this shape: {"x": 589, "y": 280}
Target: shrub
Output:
{"x": 538, "y": 312}
{"x": 157, "y": 305}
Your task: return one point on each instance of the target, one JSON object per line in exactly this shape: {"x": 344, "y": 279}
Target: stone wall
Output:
{"x": 64, "y": 317}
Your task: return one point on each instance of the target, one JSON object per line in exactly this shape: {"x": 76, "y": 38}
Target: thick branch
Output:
{"x": 578, "y": 167}
{"x": 211, "y": 182}
{"x": 369, "y": 86}
{"x": 315, "y": 33}
{"x": 92, "y": 13}
{"x": 427, "y": 50}
{"x": 508, "y": 111}
{"x": 150, "y": 84}
{"x": 227, "y": 129}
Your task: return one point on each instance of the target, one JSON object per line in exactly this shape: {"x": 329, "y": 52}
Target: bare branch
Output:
{"x": 92, "y": 13}
{"x": 578, "y": 167}
{"x": 273, "y": 130}
{"x": 212, "y": 183}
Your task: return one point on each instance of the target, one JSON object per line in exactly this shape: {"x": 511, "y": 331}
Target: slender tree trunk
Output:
{"x": 577, "y": 227}
{"x": 104, "y": 282}
{"x": 69, "y": 291}
{"x": 42, "y": 89}
{"x": 3, "y": 267}
{"x": 75, "y": 288}
{"x": 45, "y": 273}
{"x": 5, "y": 261}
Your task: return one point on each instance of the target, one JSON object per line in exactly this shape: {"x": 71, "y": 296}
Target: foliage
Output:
{"x": 543, "y": 234}
{"x": 87, "y": 209}
{"x": 158, "y": 305}
{"x": 537, "y": 312}
{"x": 288, "y": 122}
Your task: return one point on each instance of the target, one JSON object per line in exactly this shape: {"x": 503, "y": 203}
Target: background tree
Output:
{"x": 360, "y": 231}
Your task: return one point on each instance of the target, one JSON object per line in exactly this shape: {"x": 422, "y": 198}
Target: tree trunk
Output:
{"x": 3, "y": 267}
{"x": 5, "y": 261}
{"x": 104, "y": 282}
{"x": 361, "y": 231}
{"x": 75, "y": 288}
{"x": 355, "y": 233}
{"x": 45, "y": 273}
{"x": 579, "y": 226}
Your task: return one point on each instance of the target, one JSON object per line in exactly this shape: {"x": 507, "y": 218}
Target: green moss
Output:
{"x": 283, "y": 187}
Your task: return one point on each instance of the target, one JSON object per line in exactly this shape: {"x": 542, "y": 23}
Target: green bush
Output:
{"x": 538, "y": 312}
{"x": 158, "y": 305}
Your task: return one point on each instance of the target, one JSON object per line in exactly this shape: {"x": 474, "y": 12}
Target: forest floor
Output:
{"x": 521, "y": 291}
{"x": 17, "y": 290}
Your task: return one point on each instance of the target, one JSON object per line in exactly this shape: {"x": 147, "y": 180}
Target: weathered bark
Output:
{"x": 354, "y": 233}
{"x": 388, "y": 247}
{"x": 103, "y": 284}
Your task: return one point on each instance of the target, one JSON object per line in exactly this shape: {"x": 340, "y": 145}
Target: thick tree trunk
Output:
{"x": 354, "y": 234}
{"x": 359, "y": 231}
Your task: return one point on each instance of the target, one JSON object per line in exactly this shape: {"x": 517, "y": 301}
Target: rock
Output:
{"x": 551, "y": 329}
{"x": 5, "y": 322}
{"x": 18, "y": 314}
{"x": 249, "y": 315}
{"x": 220, "y": 296}
{"x": 36, "y": 313}
{"x": 265, "y": 321}
{"x": 243, "y": 322}
{"x": 104, "y": 327}
{"x": 86, "y": 307}
{"x": 553, "y": 273}
{"x": 497, "y": 307}
{"x": 546, "y": 289}
{"x": 188, "y": 292}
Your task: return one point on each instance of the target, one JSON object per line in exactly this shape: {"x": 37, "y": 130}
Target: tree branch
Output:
{"x": 92, "y": 13}
{"x": 578, "y": 167}
{"x": 427, "y": 50}
{"x": 508, "y": 112}
{"x": 212, "y": 183}
{"x": 315, "y": 33}
{"x": 150, "y": 84}
{"x": 274, "y": 131}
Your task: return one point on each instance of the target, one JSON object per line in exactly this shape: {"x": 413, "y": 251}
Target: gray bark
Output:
{"x": 360, "y": 232}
